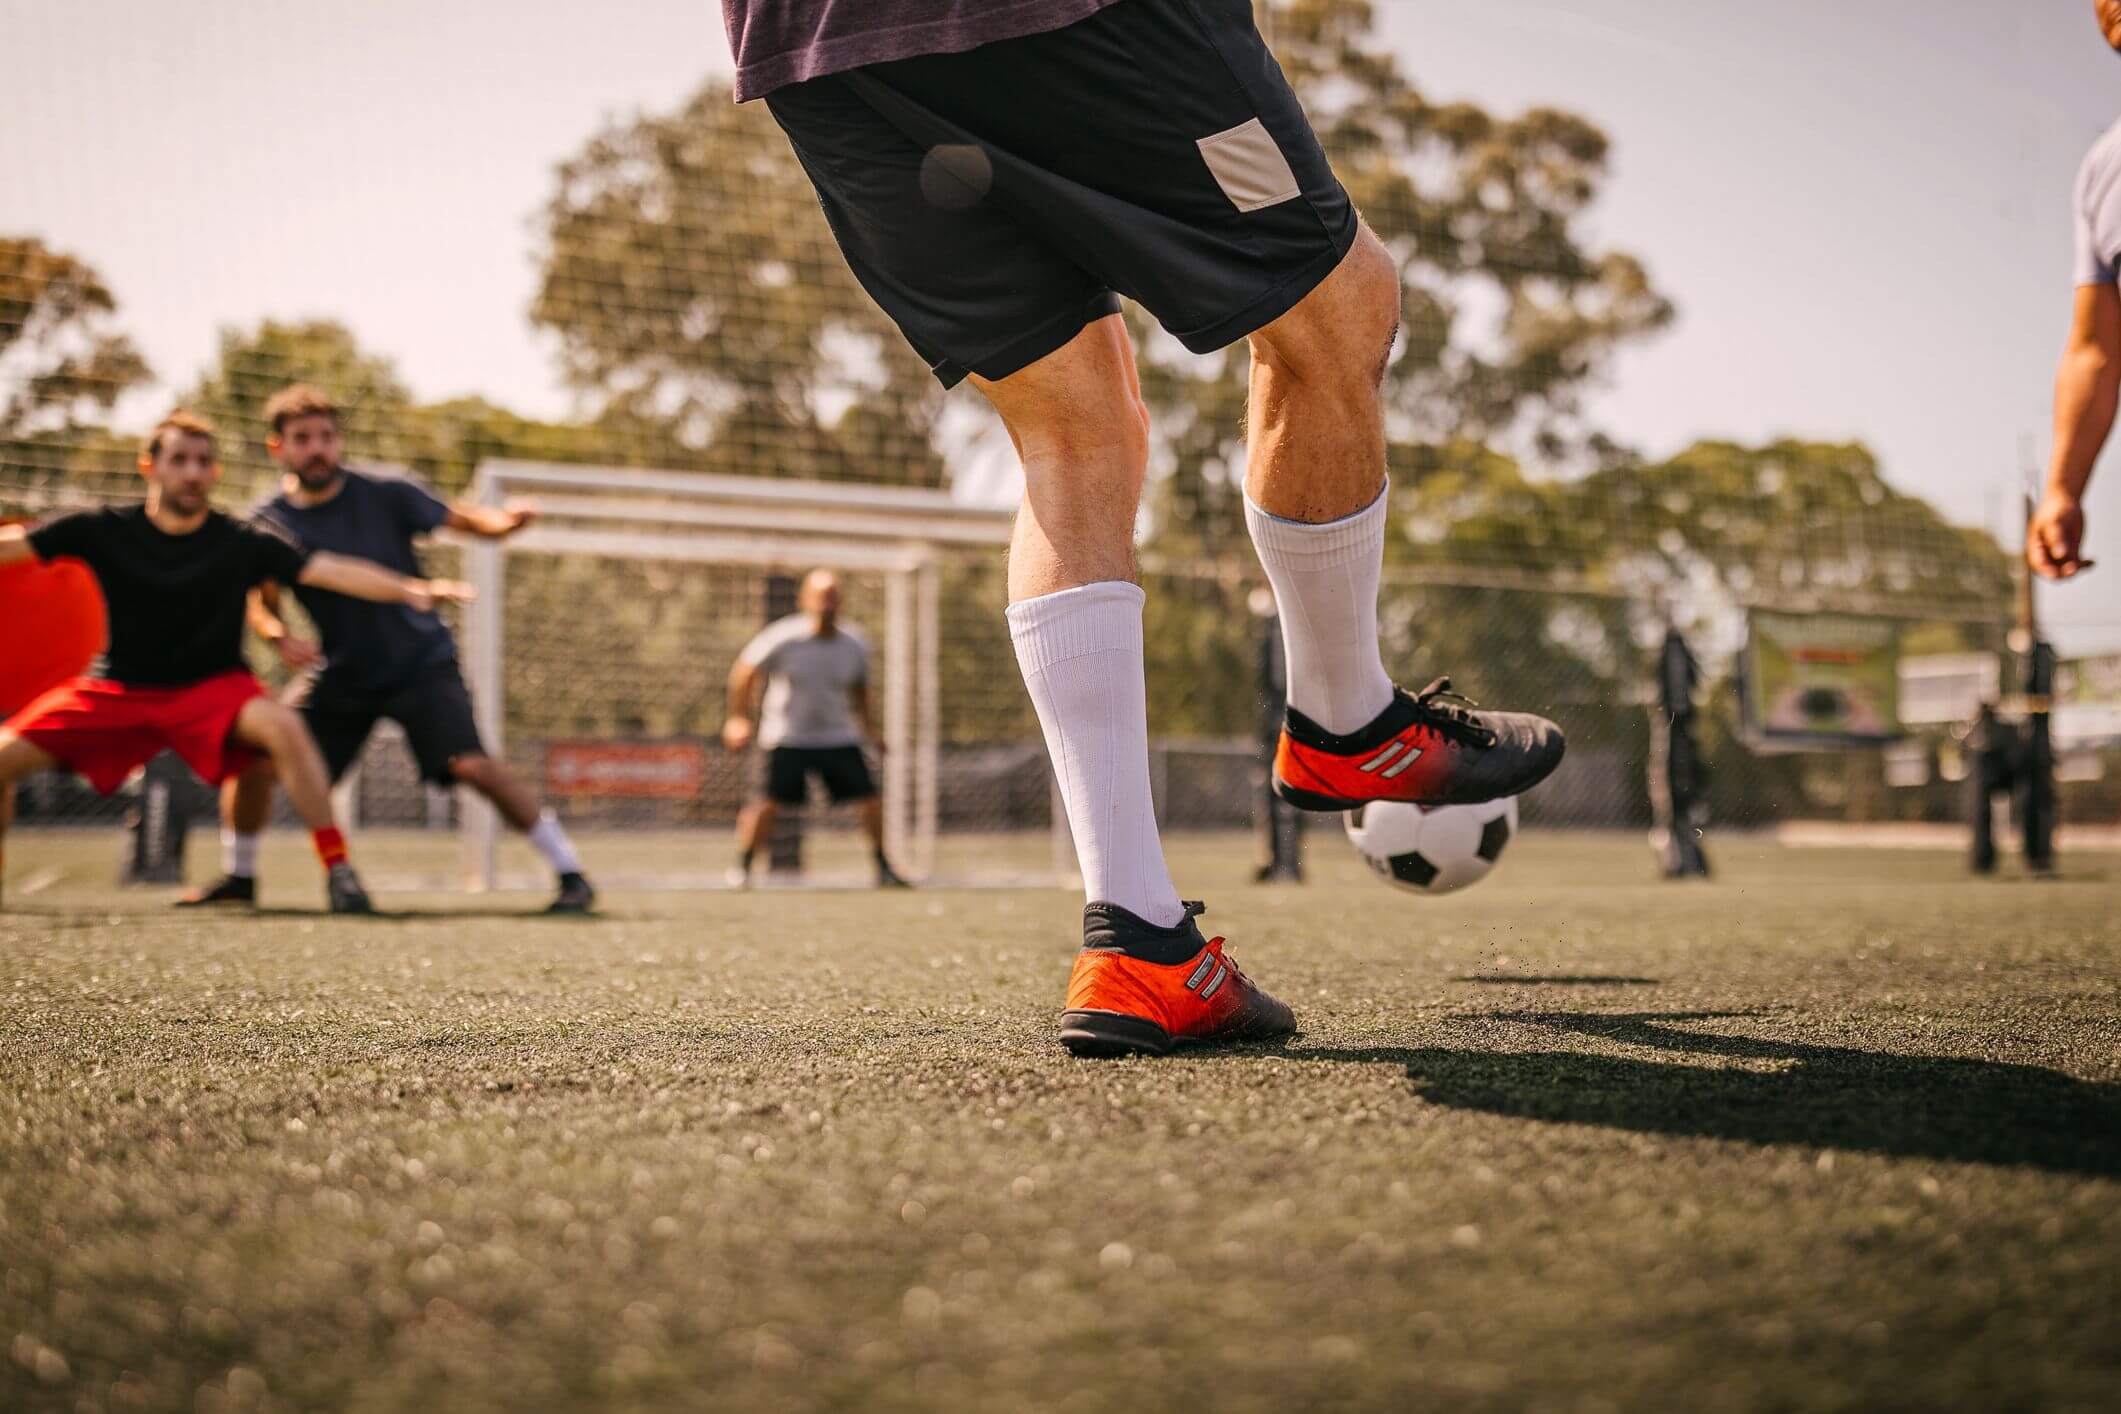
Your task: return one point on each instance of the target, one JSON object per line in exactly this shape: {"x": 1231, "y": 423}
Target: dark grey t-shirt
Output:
{"x": 369, "y": 649}
{"x": 780, "y": 42}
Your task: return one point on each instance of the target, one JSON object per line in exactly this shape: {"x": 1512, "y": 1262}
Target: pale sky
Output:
{"x": 1860, "y": 206}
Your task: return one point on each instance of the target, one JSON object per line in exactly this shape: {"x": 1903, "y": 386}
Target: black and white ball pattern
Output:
{"x": 1435, "y": 850}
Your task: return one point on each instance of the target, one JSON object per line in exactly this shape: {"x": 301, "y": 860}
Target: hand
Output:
{"x": 424, "y": 594}
{"x": 515, "y": 515}
{"x": 2056, "y": 536}
{"x": 297, "y": 655}
{"x": 737, "y": 733}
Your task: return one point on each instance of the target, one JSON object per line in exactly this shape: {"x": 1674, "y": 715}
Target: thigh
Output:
{"x": 845, "y": 773}
{"x": 972, "y": 286}
{"x": 1158, "y": 143}
{"x": 439, "y": 723}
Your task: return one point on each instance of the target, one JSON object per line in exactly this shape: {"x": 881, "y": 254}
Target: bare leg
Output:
{"x": 246, "y": 799}
{"x": 265, "y": 725}
{"x": 18, "y": 758}
{"x": 500, "y": 785}
{"x": 1315, "y": 420}
{"x": 872, "y": 812}
{"x": 1077, "y": 419}
{"x": 755, "y": 824}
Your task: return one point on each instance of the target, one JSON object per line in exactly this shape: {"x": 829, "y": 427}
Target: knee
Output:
{"x": 276, "y": 728}
{"x": 1342, "y": 333}
{"x": 474, "y": 771}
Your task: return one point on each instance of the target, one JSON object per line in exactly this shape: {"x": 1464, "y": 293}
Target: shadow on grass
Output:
{"x": 1829, "y": 1097}
{"x": 1563, "y": 980}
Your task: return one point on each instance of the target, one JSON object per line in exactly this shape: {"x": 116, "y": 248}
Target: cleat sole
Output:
{"x": 1108, "y": 1035}
{"x": 1311, "y": 800}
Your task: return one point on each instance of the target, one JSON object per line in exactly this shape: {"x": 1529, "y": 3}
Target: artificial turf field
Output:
{"x": 1838, "y": 1130}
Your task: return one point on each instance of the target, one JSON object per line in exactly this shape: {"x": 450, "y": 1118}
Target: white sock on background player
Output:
{"x": 549, "y": 838}
{"x": 1081, "y": 655}
{"x": 239, "y": 854}
{"x": 1325, "y": 586}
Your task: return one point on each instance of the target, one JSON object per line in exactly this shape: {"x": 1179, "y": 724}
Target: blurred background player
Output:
{"x": 376, "y": 660}
{"x": 813, "y": 672}
{"x": 175, "y": 575}
{"x": 2088, "y": 383}
{"x": 997, "y": 176}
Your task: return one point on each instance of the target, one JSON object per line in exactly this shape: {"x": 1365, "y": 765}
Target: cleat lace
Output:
{"x": 1450, "y": 713}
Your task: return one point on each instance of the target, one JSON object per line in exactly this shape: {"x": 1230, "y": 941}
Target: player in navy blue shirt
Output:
{"x": 374, "y": 660}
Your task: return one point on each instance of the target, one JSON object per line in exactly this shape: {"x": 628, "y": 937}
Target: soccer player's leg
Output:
{"x": 278, "y": 732}
{"x": 989, "y": 256}
{"x": 246, "y": 809}
{"x": 848, "y": 780}
{"x": 1315, "y": 503}
{"x": 443, "y": 732}
{"x": 340, "y": 728}
{"x": 18, "y": 758}
{"x": 1141, "y": 981}
{"x": 780, "y": 780}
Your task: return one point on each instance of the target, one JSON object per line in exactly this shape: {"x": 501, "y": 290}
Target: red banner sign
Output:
{"x": 665, "y": 771}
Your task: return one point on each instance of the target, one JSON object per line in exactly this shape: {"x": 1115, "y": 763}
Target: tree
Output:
{"x": 1506, "y": 313}
{"x": 63, "y": 364}
{"x": 694, "y": 287}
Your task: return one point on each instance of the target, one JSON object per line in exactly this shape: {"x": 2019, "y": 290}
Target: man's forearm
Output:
{"x": 2087, "y": 389}
{"x": 361, "y": 579}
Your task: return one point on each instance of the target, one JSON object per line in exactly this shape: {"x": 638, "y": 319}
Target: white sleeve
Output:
{"x": 2094, "y": 265}
{"x": 758, "y": 653}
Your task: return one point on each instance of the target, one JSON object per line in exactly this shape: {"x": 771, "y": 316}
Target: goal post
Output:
{"x": 600, "y": 641}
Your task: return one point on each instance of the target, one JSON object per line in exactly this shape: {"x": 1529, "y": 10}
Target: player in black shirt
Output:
{"x": 376, "y": 661}
{"x": 175, "y": 576}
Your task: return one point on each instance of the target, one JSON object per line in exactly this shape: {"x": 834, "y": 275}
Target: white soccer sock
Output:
{"x": 549, "y": 837}
{"x": 1081, "y": 655}
{"x": 1325, "y": 586}
{"x": 239, "y": 854}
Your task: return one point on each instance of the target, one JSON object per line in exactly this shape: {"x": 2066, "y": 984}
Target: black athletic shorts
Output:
{"x": 785, "y": 770}
{"x": 994, "y": 202}
{"x": 434, "y": 708}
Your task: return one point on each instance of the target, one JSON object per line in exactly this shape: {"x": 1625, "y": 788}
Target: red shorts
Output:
{"x": 104, "y": 731}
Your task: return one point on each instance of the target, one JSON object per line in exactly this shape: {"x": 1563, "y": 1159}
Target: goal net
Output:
{"x": 599, "y": 653}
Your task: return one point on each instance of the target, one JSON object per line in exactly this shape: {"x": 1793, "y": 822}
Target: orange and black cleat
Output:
{"x": 1427, "y": 748}
{"x": 1141, "y": 990}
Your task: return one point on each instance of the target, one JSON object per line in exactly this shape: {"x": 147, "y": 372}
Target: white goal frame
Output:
{"x": 737, "y": 520}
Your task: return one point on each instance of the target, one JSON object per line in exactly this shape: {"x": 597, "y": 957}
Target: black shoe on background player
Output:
{"x": 576, "y": 895}
{"x": 228, "y": 891}
{"x": 343, "y": 887}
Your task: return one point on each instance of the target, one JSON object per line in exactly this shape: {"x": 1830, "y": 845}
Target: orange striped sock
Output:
{"x": 331, "y": 845}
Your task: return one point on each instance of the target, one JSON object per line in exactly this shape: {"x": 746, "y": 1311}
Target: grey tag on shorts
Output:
{"x": 1249, "y": 167}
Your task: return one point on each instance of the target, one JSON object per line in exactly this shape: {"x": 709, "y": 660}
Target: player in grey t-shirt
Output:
{"x": 2088, "y": 384}
{"x": 814, "y": 672}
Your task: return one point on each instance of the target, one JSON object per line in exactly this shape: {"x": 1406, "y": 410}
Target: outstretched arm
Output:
{"x": 364, "y": 579}
{"x": 2087, "y": 389}
{"x": 489, "y": 522}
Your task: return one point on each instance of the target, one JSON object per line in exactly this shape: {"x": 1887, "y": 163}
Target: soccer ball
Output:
{"x": 1439, "y": 849}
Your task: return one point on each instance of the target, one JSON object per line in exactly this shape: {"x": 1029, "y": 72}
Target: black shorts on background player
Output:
{"x": 993, "y": 202}
{"x": 785, "y": 771}
{"x": 433, "y": 707}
